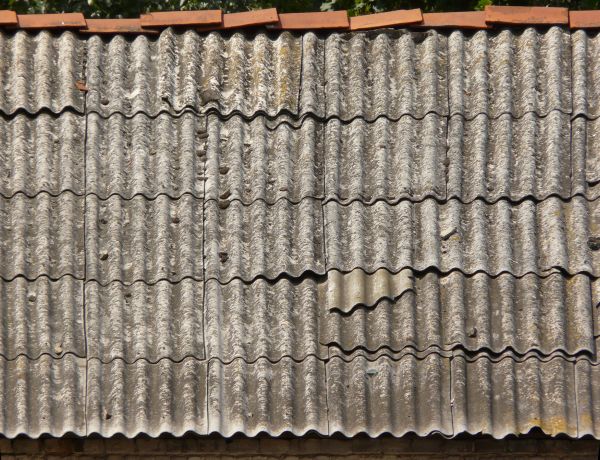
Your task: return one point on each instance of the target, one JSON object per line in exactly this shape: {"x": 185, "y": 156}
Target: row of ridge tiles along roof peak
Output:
{"x": 206, "y": 20}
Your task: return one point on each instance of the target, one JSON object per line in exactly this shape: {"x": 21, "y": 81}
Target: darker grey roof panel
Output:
{"x": 587, "y": 378}
{"x": 586, "y": 157}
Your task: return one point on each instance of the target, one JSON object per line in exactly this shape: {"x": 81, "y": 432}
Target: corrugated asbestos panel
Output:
{"x": 174, "y": 71}
{"x": 42, "y": 154}
{"x": 264, "y": 397}
{"x": 585, "y": 141}
{"x": 263, "y": 240}
{"x": 506, "y": 157}
{"x": 166, "y": 397}
{"x": 587, "y": 378}
{"x": 389, "y": 73}
{"x": 388, "y": 396}
{"x": 249, "y": 161}
{"x": 509, "y": 397}
{"x": 385, "y": 160}
{"x": 509, "y": 71}
{"x": 42, "y": 396}
{"x": 145, "y": 322}
{"x": 263, "y": 319}
{"x": 144, "y": 240}
{"x": 41, "y": 317}
{"x": 475, "y": 313}
{"x": 145, "y": 156}
{"x": 39, "y": 72}
{"x": 41, "y": 236}
{"x": 521, "y": 238}
{"x": 586, "y": 73}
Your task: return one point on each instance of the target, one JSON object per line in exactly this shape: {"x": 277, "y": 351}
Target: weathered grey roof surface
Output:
{"x": 383, "y": 232}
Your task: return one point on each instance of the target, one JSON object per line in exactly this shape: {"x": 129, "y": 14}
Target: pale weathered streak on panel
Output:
{"x": 385, "y": 160}
{"x": 521, "y": 238}
{"x": 509, "y": 71}
{"x": 506, "y": 157}
{"x": 145, "y": 156}
{"x": 509, "y": 397}
{"x": 475, "y": 313}
{"x": 586, "y": 73}
{"x": 266, "y": 397}
{"x": 166, "y": 397}
{"x": 41, "y": 317}
{"x": 263, "y": 319}
{"x": 387, "y": 396}
{"x": 249, "y": 161}
{"x": 263, "y": 240}
{"x": 143, "y": 240}
{"x": 42, "y": 235}
{"x": 585, "y": 142}
{"x": 587, "y": 379}
{"x": 42, "y": 154}
{"x": 385, "y": 73}
{"x": 39, "y": 72}
{"x": 145, "y": 322}
{"x": 186, "y": 70}
{"x": 42, "y": 396}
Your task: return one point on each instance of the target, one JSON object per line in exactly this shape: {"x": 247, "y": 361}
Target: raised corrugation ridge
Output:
{"x": 586, "y": 73}
{"x": 247, "y": 161}
{"x": 385, "y": 159}
{"x": 475, "y": 313}
{"x": 508, "y": 157}
{"x": 391, "y": 73}
{"x": 386, "y": 396}
{"x": 41, "y": 316}
{"x": 510, "y": 71}
{"x": 202, "y": 72}
{"x": 42, "y": 235}
{"x": 587, "y": 380}
{"x": 42, "y": 154}
{"x": 262, "y": 397}
{"x": 585, "y": 141}
{"x": 145, "y": 322}
{"x": 509, "y": 397}
{"x": 145, "y": 156}
{"x": 263, "y": 240}
{"x": 262, "y": 319}
{"x": 43, "y": 396}
{"x": 39, "y": 72}
{"x": 143, "y": 240}
{"x": 521, "y": 238}
{"x": 165, "y": 397}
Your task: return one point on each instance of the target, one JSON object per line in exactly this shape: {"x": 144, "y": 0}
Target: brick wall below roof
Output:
{"x": 191, "y": 447}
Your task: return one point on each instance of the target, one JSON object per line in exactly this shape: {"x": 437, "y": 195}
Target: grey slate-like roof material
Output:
{"x": 383, "y": 232}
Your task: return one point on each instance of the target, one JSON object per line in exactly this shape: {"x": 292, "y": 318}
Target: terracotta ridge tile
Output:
{"x": 245, "y": 19}
{"x": 386, "y": 19}
{"x": 313, "y": 21}
{"x": 8, "y": 18}
{"x": 51, "y": 21}
{"x": 181, "y": 18}
{"x": 526, "y": 15}
{"x": 116, "y": 26}
{"x": 584, "y": 19}
{"x": 455, "y": 20}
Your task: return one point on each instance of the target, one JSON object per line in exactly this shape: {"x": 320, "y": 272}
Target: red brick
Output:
{"x": 526, "y": 15}
{"x": 584, "y": 19}
{"x": 463, "y": 20}
{"x": 8, "y": 18}
{"x": 387, "y": 19}
{"x": 313, "y": 21}
{"x": 181, "y": 18}
{"x": 52, "y": 21}
{"x": 116, "y": 26}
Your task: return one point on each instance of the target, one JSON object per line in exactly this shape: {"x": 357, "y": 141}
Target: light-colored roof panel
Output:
{"x": 41, "y": 317}
{"x": 509, "y": 72}
{"x": 585, "y": 145}
{"x": 586, "y": 73}
{"x": 264, "y": 397}
{"x": 40, "y": 72}
{"x": 42, "y": 396}
{"x": 249, "y": 161}
{"x": 166, "y": 397}
{"x": 144, "y": 240}
{"x": 587, "y": 378}
{"x": 42, "y": 154}
{"x": 42, "y": 235}
{"x": 507, "y": 157}
{"x": 263, "y": 240}
{"x": 134, "y": 322}
{"x": 521, "y": 238}
{"x": 145, "y": 156}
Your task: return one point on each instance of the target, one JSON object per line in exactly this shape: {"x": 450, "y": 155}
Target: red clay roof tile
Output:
{"x": 387, "y": 19}
{"x": 245, "y": 19}
{"x": 460, "y": 20}
{"x": 8, "y": 18}
{"x": 526, "y": 15}
{"x": 181, "y": 18}
{"x": 584, "y": 19}
{"x": 116, "y": 26}
{"x": 313, "y": 21}
{"x": 51, "y": 21}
